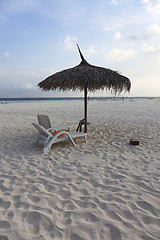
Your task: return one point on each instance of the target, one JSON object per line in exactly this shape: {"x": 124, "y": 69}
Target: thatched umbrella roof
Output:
{"x": 86, "y": 77}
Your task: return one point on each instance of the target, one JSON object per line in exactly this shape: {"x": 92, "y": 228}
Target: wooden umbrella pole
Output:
{"x": 85, "y": 109}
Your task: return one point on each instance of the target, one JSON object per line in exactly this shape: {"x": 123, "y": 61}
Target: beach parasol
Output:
{"x": 86, "y": 77}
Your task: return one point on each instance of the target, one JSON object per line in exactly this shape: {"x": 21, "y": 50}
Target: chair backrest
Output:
{"x": 42, "y": 130}
{"x": 44, "y": 121}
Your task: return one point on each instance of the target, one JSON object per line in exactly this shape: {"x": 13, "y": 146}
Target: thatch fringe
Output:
{"x": 92, "y": 77}
{"x": 86, "y": 75}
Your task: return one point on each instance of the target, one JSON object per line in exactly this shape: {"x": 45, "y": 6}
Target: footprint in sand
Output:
{"x": 75, "y": 236}
{"x": 36, "y": 221}
{"x": 149, "y": 220}
{"x": 110, "y": 232}
{"x": 127, "y": 215}
{"x": 4, "y": 204}
{"x": 4, "y": 225}
{"x": 3, "y": 237}
{"x": 80, "y": 232}
{"x": 10, "y": 214}
{"x": 34, "y": 198}
{"x": 63, "y": 223}
{"x": 64, "y": 194}
{"x": 20, "y": 204}
{"x": 89, "y": 217}
{"x": 147, "y": 207}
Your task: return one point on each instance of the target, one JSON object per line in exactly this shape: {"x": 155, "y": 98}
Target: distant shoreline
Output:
{"x": 29, "y": 99}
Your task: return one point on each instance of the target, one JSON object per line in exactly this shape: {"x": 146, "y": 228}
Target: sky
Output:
{"x": 39, "y": 37}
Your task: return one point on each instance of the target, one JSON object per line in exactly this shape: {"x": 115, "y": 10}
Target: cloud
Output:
{"x": 90, "y": 51}
{"x": 114, "y": 2}
{"x": 29, "y": 86}
{"x": 7, "y": 54}
{"x": 152, "y": 5}
{"x": 120, "y": 54}
{"x": 117, "y": 35}
{"x": 69, "y": 42}
{"x": 150, "y": 32}
{"x": 148, "y": 48}
{"x": 24, "y": 77}
{"x": 151, "y": 49}
{"x": 115, "y": 27}
{"x": 14, "y": 7}
{"x": 154, "y": 29}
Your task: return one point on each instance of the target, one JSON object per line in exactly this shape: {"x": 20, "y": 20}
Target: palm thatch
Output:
{"x": 86, "y": 77}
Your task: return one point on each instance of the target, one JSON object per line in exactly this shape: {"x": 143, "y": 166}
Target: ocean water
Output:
{"x": 23, "y": 100}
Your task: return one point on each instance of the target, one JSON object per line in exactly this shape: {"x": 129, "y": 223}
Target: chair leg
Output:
{"x": 46, "y": 150}
{"x": 47, "y": 147}
{"x": 71, "y": 138}
{"x": 36, "y": 140}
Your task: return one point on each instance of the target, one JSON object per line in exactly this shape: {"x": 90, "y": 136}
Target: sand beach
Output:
{"x": 105, "y": 189}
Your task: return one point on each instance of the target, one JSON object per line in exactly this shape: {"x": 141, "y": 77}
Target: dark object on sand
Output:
{"x": 81, "y": 122}
{"x": 134, "y": 141}
{"x": 86, "y": 77}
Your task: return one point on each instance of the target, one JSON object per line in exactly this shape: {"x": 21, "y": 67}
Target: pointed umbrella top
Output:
{"x": 86, "y": 75}
{"x": 83, "y": 62}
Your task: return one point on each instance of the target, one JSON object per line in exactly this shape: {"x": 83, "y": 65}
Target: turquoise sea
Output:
{"x": 22, "y": 100}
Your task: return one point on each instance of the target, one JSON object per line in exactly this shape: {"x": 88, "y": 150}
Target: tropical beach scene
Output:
{"x": 80, "y": 120}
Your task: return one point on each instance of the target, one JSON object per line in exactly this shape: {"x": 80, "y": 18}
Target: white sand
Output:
{"x": 103, "y": 189}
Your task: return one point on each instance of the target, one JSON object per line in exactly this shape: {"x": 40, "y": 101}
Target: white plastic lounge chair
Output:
{"x": 44, "y": 121}
{"x": 47, "y": 139}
